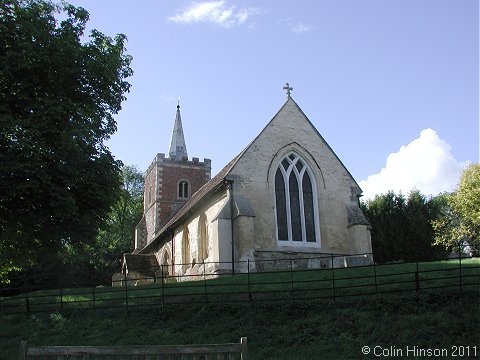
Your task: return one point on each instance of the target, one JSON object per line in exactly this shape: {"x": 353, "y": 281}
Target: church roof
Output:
{"x": 290, "y": 100}
{"x": 178, "y": 147}
{"x": 222, "y": 178}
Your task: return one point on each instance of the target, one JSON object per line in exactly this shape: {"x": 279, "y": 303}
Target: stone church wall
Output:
{"x": 357, "y": 233}
{"x": 218, "y": 230}
{"x": 253, "y": 177}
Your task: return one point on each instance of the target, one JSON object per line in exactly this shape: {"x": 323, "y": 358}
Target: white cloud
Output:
{"x": 425, "y": 164}
{"x": 297, "y": 27}
{"x": 215, "y": 12}
{"x": 300, "y": 27}
{"x": 167, "y": 98}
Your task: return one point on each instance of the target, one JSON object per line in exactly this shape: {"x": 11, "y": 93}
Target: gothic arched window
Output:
{"x": 203, "y": 239}
{"x": 295, "y": 202}
{"x": 186, "y": 248}
{"x": 183, "y": 189}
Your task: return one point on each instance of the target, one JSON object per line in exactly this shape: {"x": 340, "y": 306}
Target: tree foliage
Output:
{"x": 459, "y": 222}
{"x": 401, "y": 227}
{"x": 58, "y": 180}
{"x": 93, "y": 263}
{"x": 117, "y": 237}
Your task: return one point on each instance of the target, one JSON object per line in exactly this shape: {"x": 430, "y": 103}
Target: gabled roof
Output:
{"x": 290, "y": 100}
{"x": 221, "y": 179}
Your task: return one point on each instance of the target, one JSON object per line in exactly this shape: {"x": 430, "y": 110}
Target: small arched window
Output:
{"x": 150, "y": 197}
{"x": 203, "y": 240}
{"x": 186, "y": 248}
{"x": 183, "y": 190}
{"x": 296, "y": 207}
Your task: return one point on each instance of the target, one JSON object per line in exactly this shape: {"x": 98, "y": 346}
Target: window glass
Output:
{"x": 295, "y": 201}
{"x": 308, "y": 208}
{"x": 183, "y": 189}
{"x": 295, "y": 208}
{"x": 280, "y": 205}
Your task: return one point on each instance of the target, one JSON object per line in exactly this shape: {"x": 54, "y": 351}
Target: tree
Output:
{"x": 93, "y": 263}
{"x": 459, "y": 222}
{"x": 401, "y": 227}
{"x": 419, "y": 232}
{"x": 58, "y": 180}
{"x": 386, "y": 215}
{"x": 117, "y": 237}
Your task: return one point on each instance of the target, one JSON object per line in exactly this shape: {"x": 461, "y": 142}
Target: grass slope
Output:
{"x": 289, "y": 330}
{"x": 299, "y": 284}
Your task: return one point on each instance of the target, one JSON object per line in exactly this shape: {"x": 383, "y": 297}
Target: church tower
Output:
{"x": 169, "y": 183}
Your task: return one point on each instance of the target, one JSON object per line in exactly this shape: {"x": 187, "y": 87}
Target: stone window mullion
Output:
{"x": 296, "y": 203}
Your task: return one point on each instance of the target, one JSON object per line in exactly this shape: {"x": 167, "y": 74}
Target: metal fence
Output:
{"x": 287, "y": 282}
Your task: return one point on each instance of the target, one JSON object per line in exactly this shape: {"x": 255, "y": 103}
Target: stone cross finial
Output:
{"x": 288, "y": 88}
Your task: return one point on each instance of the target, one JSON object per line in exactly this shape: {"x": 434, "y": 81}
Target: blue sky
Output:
{"x": 392, "y": 86}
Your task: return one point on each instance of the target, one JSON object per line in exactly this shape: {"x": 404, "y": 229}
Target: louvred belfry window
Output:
{"x": 295, "y": 202}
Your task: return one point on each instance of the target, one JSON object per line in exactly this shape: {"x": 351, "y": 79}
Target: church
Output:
{"x": 285, "y": 196}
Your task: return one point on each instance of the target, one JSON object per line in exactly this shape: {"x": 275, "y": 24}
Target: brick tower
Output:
{"x": 169, "y": 183}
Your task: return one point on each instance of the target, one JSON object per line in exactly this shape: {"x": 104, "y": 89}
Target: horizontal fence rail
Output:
{"x": 288, "y": 281}
{"x": 206, "y": 351}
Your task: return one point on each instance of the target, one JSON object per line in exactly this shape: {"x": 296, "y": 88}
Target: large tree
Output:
{"x": 401, "y": 227}
{"x": 459, "y": 223}
{"x": 93, "y": 263}
{"x": 58, "y": 95}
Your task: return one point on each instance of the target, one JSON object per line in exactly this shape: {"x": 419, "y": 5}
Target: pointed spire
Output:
{"x": 178, "y": 148}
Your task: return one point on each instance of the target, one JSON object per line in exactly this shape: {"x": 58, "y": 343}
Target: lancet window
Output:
{"x": 296, "y": 207}
{"x": 186, "y": 259}
{"x": 203, "y": 243}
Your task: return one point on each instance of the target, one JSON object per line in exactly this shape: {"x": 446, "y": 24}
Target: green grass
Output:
{"x": 319, "y": 329}
{"x": 293, "y": 315}
{"x": 266, "y": 286}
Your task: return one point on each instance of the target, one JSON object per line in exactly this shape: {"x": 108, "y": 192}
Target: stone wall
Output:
{"x": 253, "y": 178}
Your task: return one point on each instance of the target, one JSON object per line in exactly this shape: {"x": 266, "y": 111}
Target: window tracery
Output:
{"x": 296, "y": 207}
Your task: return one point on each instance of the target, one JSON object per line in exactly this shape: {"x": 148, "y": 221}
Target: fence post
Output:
{"x": 163, "y": 285}
{"x": 250, "y": 298}
{"x": 61, "y": 299}
{"x": 27, "y": 301}
{"x": 460, "y": 263}
{"x": 333, "y": 281}
{"x": 205, "y": 282}
{"x": 244, "y": 354}
{"x": 93, "y": 298}
{"x": 375, "y": 276}
{"x": 126, "y": 292}
{"x": 417, "y": 279}
{"x": 291, "y": 279}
